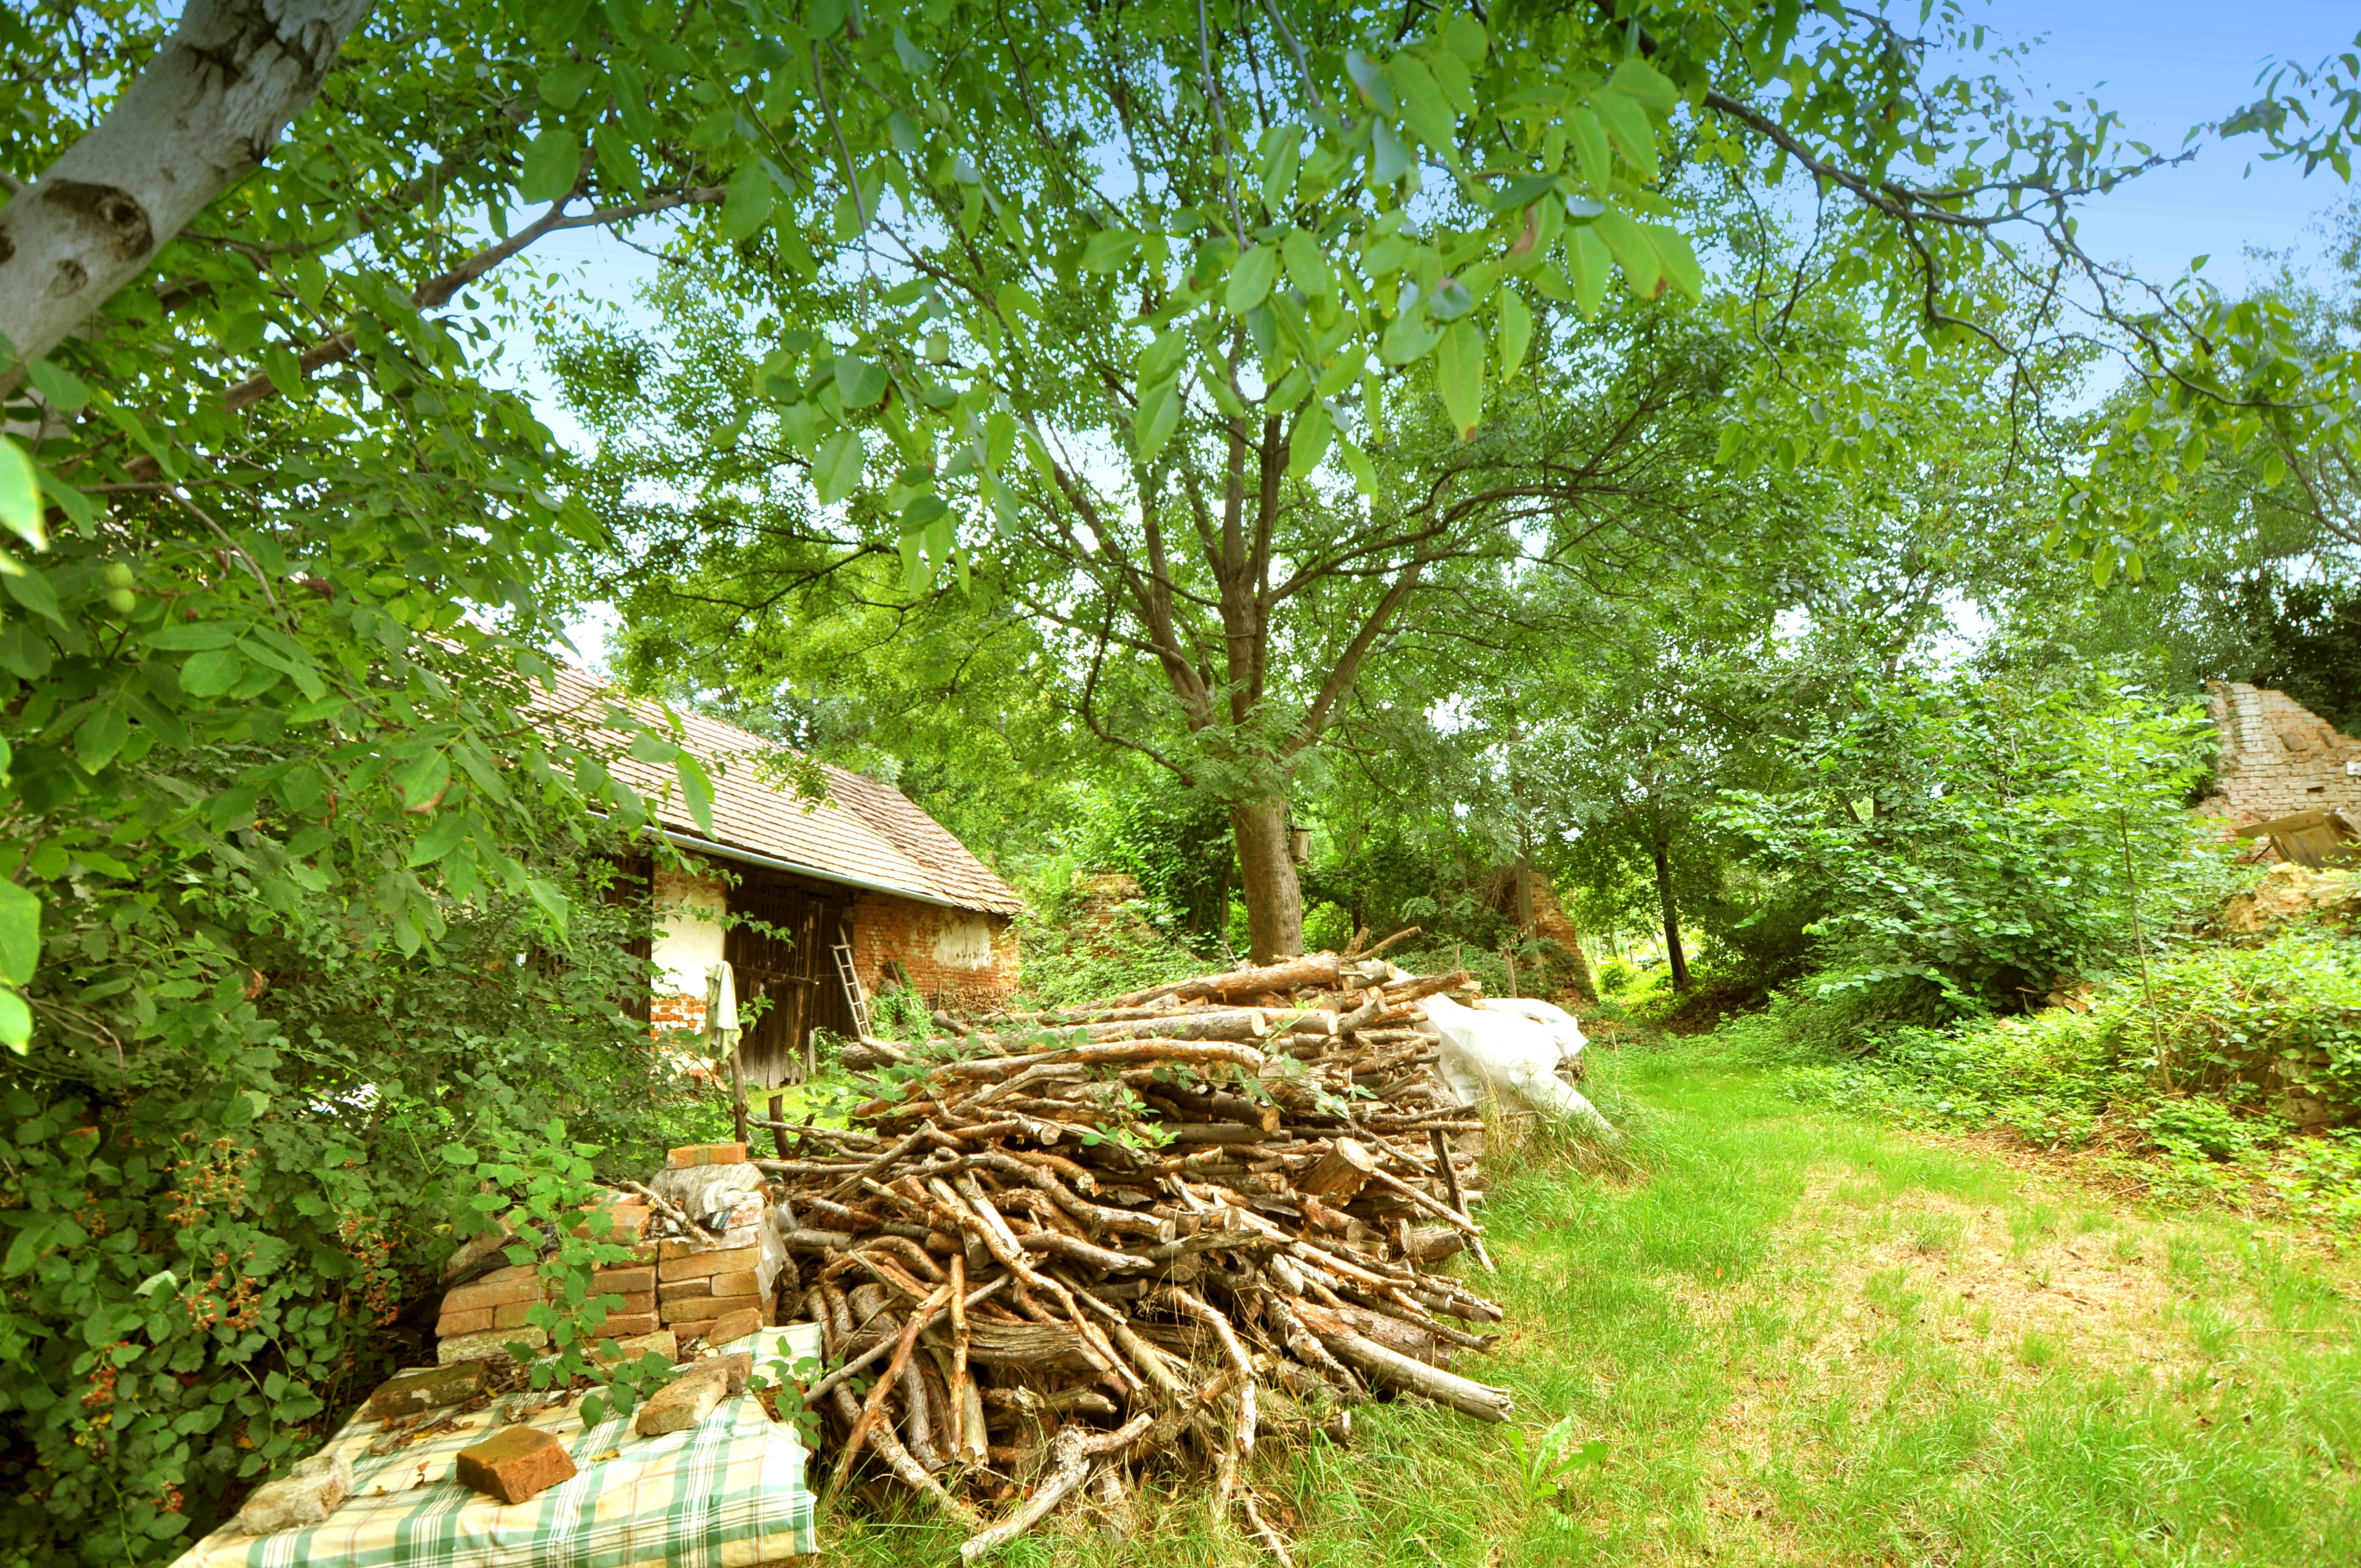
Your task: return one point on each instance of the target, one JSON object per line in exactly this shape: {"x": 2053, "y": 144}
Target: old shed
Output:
{"x": 791, "y": 889}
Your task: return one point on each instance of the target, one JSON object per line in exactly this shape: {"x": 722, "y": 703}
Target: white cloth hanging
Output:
{"x": 721, "y": 1009}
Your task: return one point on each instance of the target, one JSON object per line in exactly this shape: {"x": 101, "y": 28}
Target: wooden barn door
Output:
{"x": 778, "y": 951}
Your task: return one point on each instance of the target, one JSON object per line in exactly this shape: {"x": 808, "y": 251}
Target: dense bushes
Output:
{"x": 1974, "y": 843}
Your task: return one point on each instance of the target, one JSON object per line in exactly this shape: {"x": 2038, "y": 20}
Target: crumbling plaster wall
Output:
{"x": 2277, "y": 757}
{"x": 954, "y": 956}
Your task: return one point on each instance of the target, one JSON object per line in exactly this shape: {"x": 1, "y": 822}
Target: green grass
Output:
{"x": 1810, "y": 1339}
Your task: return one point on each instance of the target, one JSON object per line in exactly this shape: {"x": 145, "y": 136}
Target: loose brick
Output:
{"x": 682, "y": 1403}
{"x": 492, "y": 1345}
{"x": 631, "y": 1347}
{"x": 734, "y": 1327}
{"x": 705, "y": 1309}
{"x": 624, "y": 1281}
{"x": 495, "y": 1289}
{"x": 305, "y": 1495}
{"x": 742, "y": 1283}
{"x": 637, "y": 1301}
{"x": 627, "y": 1325}
{"x": 625, "y": 1222}
{"x": 694, "y": 1328}
{"x": 515, "y": 1464}
{"x": 683, "y": 1290}
{"x": 472, "y": 1322}
{"x": 514, "y": 1315}
{"x": 417, "y": 1388}
{"x": 688, "y": 1265}
{"x": 691, "y": 1155}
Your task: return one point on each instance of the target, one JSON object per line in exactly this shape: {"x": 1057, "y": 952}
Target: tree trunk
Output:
{"x": 197, "y": 121}
{"x": 1672, "y": 918}
{"x": 1274, "y": 896}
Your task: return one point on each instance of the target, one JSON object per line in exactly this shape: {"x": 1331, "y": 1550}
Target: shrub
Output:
{"x": 1974, "y": 842}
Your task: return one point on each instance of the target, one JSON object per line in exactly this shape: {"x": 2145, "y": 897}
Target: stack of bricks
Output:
{"x": 701, "y": 1282}
{"x": 483, "y": 1317}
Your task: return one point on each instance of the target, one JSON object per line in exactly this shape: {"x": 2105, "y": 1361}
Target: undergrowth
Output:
{"x": 2179, "y": 1081}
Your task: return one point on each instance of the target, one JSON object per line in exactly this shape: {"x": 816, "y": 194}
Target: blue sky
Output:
{"x": 2166, "y": 65}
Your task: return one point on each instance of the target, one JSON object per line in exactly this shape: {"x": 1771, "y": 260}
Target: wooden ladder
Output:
{"x": 850, "y": 975}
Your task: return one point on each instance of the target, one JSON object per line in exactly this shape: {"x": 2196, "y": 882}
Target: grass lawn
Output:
{"x": 1805, "y": 1338}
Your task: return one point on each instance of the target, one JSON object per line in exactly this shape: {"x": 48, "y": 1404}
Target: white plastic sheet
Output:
{"x": 1492, "y": 1052}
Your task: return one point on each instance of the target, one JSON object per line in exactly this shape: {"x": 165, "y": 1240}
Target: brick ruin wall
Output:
{"x": 2277, "y": 758}
{"x": 956, "y": 958}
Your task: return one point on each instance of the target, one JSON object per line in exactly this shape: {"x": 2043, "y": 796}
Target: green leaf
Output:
{"x": 860, "y": 383}
{"x": 62, "y": 389}
{"x": 29, "y": 588}
{"x": 1628, "y": 128}
{"x": 696, "y": 790}
{"x": 552, "y": 162}
{"x": 1364, "y": 472}
{"x": 1680, "y": 260}
{"x": 562, "y": 86}
{"x": 15, "y": 1022}
{"x": 1633, "y": 251}
{"x": 190, "y": 636}
{"x": 212, "y": 673}
{"x": 1516, "y": 331}
{"x": 1587, "y": 262}
{"x": 1459, "y": 376}
{"x": 837, "y": 473}
{"x": 1464, "y": 36}
{"x": 440, "y": 839}
{"x": 1591, "y": 152}
{"x": 1282, "y": 155}
{"x": 1250, "y": 280}
{"x": 421, "y": 781}
{"x": 1388, "y": 160}
{"x": 1159, "y": 417}
{"x": 1307, "y": 269}
{"x": 1424, "y": 109}
{"x": 101, "y": 736}
{"x": 1636, "y": 79}
{"x": 457, "y": 1154}
{"x": 746, "y": 203}
{"x": 20, "y": 933}
{"x": 1108, "y": 249}
{"x": 1309, "y": 442}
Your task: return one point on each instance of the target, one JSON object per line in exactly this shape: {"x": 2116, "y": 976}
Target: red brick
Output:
{"x": 683, "y": 1290}
{"x": 495, "y": 1289}
{"x": 703, "y": 1308}
{"x": 742, "y": 1283}
{"x": 515, "y": 1314}
{"x": 636, "y": 1301}
{"x": 733, "y": 1327}
{"x": 689, "y": 1155}
{"x": 620, "y": 1325}
{"x": 515, "y": 1464}
{"x": 474, "y": 1322}
{"x": 690, "y": 1331}
{"x": 624, "y": 1281}
{"x": 686, "y": 1263}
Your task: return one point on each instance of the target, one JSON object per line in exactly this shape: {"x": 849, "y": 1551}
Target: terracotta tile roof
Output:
{"x": 865, "y": 833}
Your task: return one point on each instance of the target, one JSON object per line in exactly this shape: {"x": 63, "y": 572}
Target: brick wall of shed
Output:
{"x": 2277, "y": 757}
{"x": 957, "y": 958}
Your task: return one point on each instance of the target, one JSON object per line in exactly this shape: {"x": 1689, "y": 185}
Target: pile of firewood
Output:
{"x": 1066, "y": 1248}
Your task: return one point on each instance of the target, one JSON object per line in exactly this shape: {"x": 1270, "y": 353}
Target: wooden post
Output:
{"x": 778, "y": 1117}
{"x": 737, "y": 1096}
{"x": 1509, "y": 956}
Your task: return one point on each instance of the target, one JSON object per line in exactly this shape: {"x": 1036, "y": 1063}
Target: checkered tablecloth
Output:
{"x": 729, "y": 1493}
